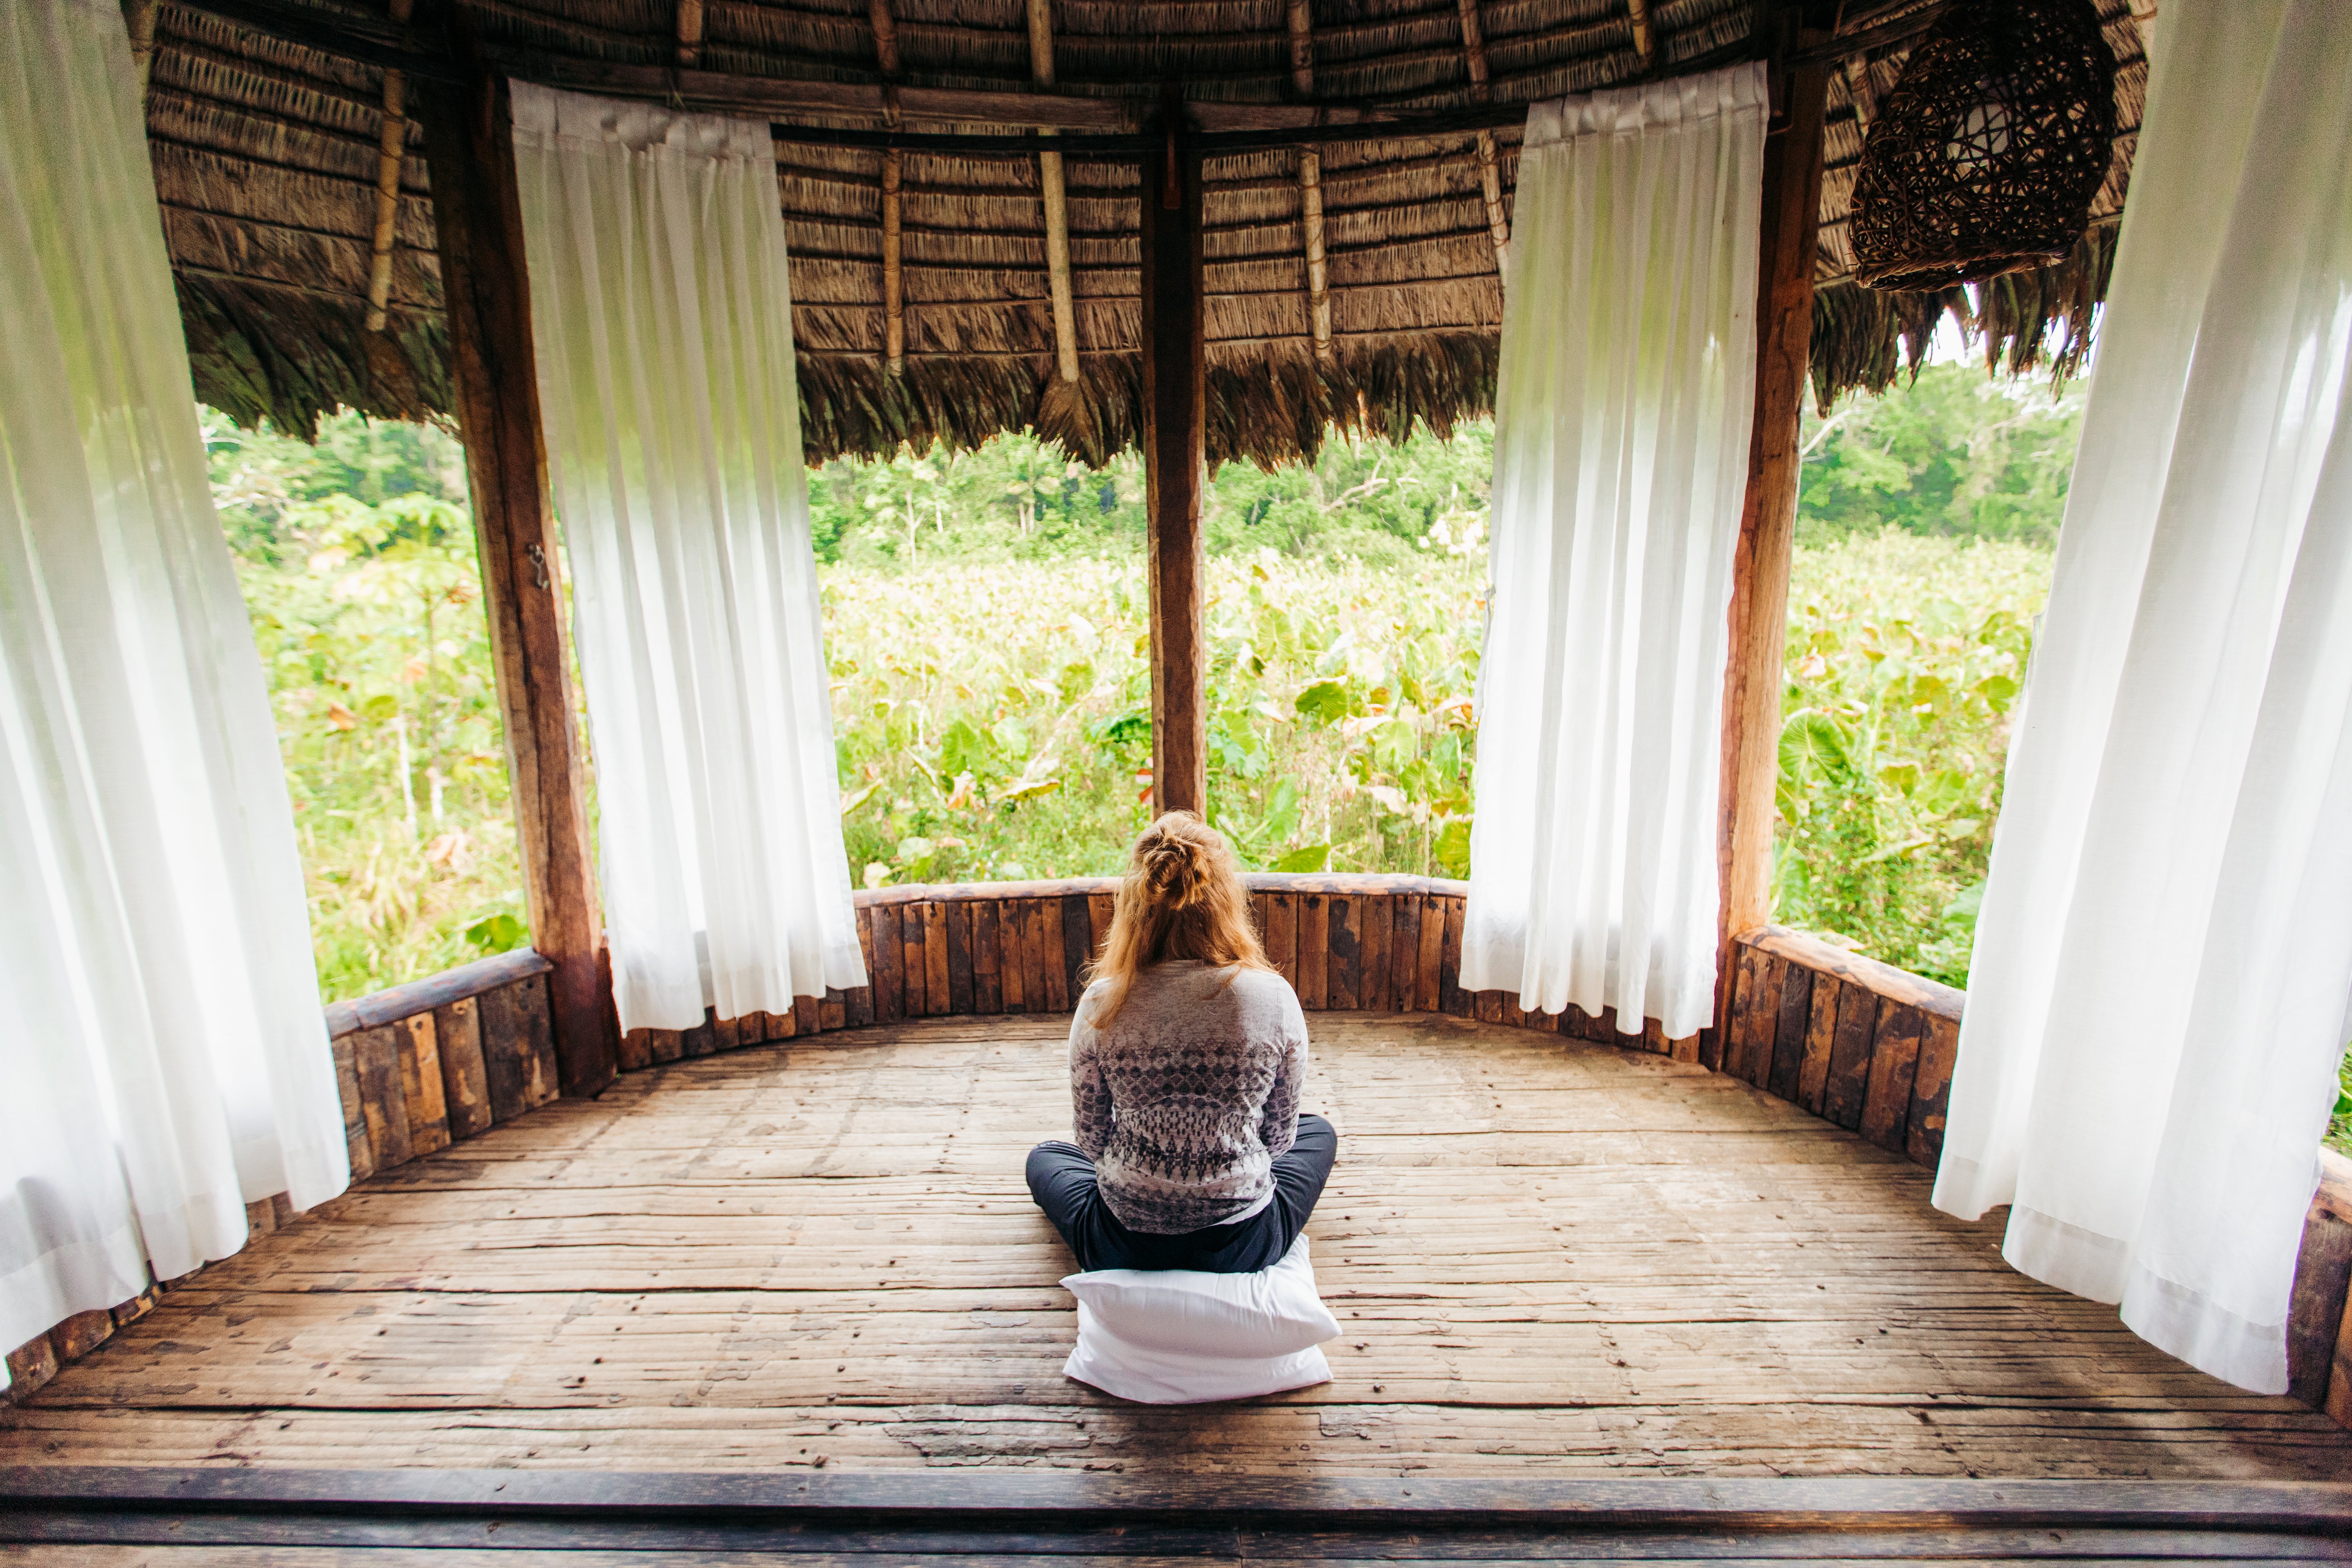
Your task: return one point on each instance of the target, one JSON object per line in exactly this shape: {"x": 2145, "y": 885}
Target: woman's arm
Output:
{"x": 1090, "y": 1115}
{"x": 1278, "y": 1127}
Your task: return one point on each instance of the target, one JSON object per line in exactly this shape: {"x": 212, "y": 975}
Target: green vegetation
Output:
{"x": 357, "y": 561}
{"x": 1953, "y": 454}
{"x": 987, "y": 634}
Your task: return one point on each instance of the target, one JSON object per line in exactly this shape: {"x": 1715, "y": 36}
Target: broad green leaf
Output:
{"x": 1310, "y": 858}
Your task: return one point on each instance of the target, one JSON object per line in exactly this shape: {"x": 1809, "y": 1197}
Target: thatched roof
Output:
{"x": 266, "y": 162}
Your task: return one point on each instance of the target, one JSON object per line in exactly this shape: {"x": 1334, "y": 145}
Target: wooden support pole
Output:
{"x": 1058, "y": 207}
{"x": 1175, "y": 398}
{"x": 392, "y": 152}
{"x": 1310, "y": 184}
{"x": 1490, "y": 174}
{"x": 469, "y": 152}
{"x": 690, "y": 33}
{"x": 1760, "y": 592}
{"x": 1319, "y": 271}
{"x": 894, "y": 272}
{"x": 139, "y": 16}
{"x": 1646, "y": 41}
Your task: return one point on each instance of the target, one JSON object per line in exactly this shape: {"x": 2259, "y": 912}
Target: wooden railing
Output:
{"x": 1859, "y": 1043}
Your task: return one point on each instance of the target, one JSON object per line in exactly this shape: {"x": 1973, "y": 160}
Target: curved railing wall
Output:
{"x": 1867, "y": 1047}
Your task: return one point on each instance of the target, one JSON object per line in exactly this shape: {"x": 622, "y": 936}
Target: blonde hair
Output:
{"x": 1181, "y": 898}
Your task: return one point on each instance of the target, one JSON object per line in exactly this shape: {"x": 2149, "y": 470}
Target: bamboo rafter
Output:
{"x": 391, "y": 153}
{"x": 1490, "y": 177}
{"x": 690, "y": 33}
{"x": 1057, "y": 210}
{"x": 1310, "y": 185}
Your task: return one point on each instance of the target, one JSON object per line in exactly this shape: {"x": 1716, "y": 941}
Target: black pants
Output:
{"x": 1061, "y": 1180}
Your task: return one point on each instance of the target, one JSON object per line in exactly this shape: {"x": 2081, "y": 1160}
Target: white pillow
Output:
{"x": 1178, "y": 1336}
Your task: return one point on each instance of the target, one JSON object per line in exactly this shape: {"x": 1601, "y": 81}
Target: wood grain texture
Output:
{"x": 1314, "y": 982}
{"x": 433, "y": 992}
{"x": 465, "y": 1081}
{"x": 957, "y": 918}
{"x": 1894, "y": 1064}
{"x": 938, "y": 999}
{"x": 1343, "y": 971}
{"x": 1375, "y": 975}
{"x": 1820, "y": 1037}
{"x": 382, "y": 1099}
{"x": 2323, "y": 1284}
{"x": 1450, "y": 995}
{"x": 1404, "y": 951}
{"x": 485, "y": 284}
{"x": 1175, "y": 430}
{"x": 1848, "y": 1080}
{"x": 914, "y": 970}
{"x": 1931, "y": 1088}
{"x": 1013, "y": 960}
{"x": 825, "y": 1249}
{"x": 420, "y": 1084}
{"x": 1282, "y": 935}
{"x": 1796, "y": 1016}
{"x": 347, "y": 1089}
{"x": 804, "y": 1016}
{"x": 1053, "y": 954}
{"x": 1755, "y": 1012}
{"x": 1430, "y": 965}
{"x": 1752, "y": 679}
{"x": 987, "y": 961}
{"x": 1077, "y": 945}
{"x": 888, "y": 964}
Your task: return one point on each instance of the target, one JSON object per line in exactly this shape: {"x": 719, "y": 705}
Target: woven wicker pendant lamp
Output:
{"x": 1985, "y": 157}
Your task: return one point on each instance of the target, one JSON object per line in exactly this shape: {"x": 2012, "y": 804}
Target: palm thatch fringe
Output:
{"x": 1864, "y": 338}
{"x": 259, "y": 351}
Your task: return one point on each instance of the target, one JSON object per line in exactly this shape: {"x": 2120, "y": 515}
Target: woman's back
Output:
{"x": 1187, "y": 1095}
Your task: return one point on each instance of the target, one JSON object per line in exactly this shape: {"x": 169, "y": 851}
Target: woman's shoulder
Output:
{"x": 1266, "y": 990}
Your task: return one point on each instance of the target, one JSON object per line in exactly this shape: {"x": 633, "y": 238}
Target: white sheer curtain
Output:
{"x": 1621, "y": 460}
{"x": 163, "y": 1053}
{"x": 2158, "y": 1000}
{"x": 662, "y": 316}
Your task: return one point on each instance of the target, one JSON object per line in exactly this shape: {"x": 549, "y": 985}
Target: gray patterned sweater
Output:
{"x": 1183, "y": 1102}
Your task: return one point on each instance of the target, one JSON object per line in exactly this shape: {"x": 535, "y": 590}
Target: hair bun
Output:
{"x": 1172, "y": 866}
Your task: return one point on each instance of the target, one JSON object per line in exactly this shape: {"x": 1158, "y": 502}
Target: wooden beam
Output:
{"x": 1319, "y": 271}
{"x": 885, "y": 38}
{"x": 1058, "y": 206}
{"x": 1310, "y": 185}
{"x": 392, "y": 152}
{"x": 1759, "y": 594}
{"x": 1175, "y": 395}
{"x": 689, "y": 32}
{"x": 470, "y": 142}
{"x": 1646, "y": 41}
{"x": 140, "y": 18}
{"x": 1490, "y": 174}
{"x": 894, "y": 270}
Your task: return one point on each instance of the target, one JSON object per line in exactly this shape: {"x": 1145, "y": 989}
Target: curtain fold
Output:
{"x": 2158, "y": 1000}
{"x": 661, "y": 313}
{"x": 1622, "y": 416}
{"x": 165, "y": 1057}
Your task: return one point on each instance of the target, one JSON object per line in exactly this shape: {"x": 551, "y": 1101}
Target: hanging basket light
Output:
{"x": 1985, "y": 157}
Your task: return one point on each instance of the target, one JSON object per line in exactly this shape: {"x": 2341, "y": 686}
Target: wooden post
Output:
{"x": 391, "y": 154}
{"x": 469, "y": 150}
{"x": 1175, "y": 397}
{"x": 1760, "y": 592}
{"x": 1490, "y": 177}
{"x": 1051, "y": 189}
{"x": 1310, "y": 185}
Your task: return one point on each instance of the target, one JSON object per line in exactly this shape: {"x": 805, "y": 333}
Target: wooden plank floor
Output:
{"x": 1549, "y": 1257}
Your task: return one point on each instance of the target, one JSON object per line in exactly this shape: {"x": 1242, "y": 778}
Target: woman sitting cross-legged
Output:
{"x": 1187, "y": 1058}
